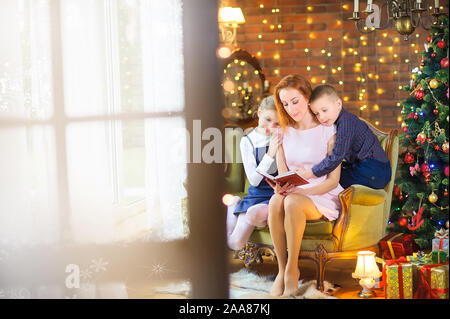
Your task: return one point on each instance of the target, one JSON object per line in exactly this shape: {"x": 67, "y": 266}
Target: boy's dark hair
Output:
{"x": 322, "y": 90}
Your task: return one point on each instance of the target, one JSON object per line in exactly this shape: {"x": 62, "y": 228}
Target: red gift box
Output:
{"x": 396, "y": 245}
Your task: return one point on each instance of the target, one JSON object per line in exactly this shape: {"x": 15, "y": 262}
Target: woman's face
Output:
{"x": 294, "y": 103}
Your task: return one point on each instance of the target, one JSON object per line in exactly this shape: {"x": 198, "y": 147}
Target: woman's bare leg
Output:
{"x": 277, "y": 233}
{"x": 297, "y": 210}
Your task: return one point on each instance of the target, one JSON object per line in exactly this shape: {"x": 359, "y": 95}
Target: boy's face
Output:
{"x": 326, "y": 109}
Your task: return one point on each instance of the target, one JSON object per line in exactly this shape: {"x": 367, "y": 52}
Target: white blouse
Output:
{"x": 267, "y": 164}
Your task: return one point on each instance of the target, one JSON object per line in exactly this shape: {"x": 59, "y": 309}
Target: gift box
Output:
{"x": 433, "y": 282}
{"x": 439, "y": 281}
{"x": 440, "y": 244}
{"x": 440, "y": 241}
{"x": 398, "y": 279}
{"x": 439, "y": 256}
{"x": 396, "y": 245}
{"x": 418, "y": 260}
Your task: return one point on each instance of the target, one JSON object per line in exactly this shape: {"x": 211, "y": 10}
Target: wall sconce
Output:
{"x": 366, "y": 270}
{"x": 403, "y": 15}
{"x": 229, "y": 20}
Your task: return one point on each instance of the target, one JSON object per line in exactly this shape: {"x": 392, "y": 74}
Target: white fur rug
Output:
{"x": 247, "y": 284}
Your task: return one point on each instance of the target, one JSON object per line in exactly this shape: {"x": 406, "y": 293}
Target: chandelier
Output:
{"x": 403, "y": 15}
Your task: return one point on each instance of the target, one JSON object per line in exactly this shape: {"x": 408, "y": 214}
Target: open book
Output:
{"x": 291, "y": 177}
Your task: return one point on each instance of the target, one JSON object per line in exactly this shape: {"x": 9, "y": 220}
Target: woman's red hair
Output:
{"x": 297, "y": 82}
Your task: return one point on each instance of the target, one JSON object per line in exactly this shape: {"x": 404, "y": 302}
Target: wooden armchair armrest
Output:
{"x": 345, "y": 197}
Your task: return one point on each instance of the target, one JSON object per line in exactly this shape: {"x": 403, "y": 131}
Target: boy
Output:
{"x": 366, "y": 162}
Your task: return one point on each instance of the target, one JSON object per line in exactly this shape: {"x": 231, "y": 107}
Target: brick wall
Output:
{"x": 319, "y": 25}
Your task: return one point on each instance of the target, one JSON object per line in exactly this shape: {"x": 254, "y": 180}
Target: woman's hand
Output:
{"x": 276, "y": 138}
{"x": 282, "y": 189}
{"x": 305, "y": 173}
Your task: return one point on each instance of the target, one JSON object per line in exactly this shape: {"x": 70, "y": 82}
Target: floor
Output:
{"x": 337, "y": 272}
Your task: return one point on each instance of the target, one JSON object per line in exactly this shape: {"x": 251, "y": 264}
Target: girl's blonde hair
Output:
{"x": 268, "y": 103}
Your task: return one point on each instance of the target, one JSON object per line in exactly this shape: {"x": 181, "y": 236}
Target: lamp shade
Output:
{"x": 231, "y": 15}
{"x": 366, "y": 267}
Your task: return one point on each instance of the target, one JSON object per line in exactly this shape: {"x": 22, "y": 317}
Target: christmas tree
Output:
{"x": 420, "y": 199}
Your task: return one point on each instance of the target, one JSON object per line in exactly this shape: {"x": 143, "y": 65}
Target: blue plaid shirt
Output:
{"x": 354, "y": 142}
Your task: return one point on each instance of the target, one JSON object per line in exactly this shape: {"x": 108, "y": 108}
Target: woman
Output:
{"x": 305, "y": 143}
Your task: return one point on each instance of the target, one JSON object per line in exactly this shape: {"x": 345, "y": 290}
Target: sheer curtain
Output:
{"x": 92, "y": 88}
{"x": 28, "y": 205}
{"x": 164, "y": 92}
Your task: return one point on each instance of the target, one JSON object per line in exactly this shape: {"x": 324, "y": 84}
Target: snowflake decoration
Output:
{"x": 98, "y": 265}
{"x": 86, "y": 274}
{"x": 156, "y": 270}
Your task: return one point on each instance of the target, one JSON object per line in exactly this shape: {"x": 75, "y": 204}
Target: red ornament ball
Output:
{"x": 436, "y": 147}
{"x": 416, "y": 117}
{"x": 444, "y": 63}
{"x": 445, "y": 193}
{"x": 435, "y": 111}
{"x": 405, "y": 129}
{"x": 425, "y": 168}
{"x": 403, "y": 221}
{"x": 429, "y": 38}
{"x": 441, "y": 44}
{"x": 433, "y": 55}
{"x": 446, "y": 171}
{"x": 409, "y": 158}
{"x": 419, "y": 94}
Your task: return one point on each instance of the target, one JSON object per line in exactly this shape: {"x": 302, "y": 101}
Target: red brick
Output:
{"x": 329, "y": 19}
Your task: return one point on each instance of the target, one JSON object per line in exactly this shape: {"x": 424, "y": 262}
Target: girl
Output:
{"x": 258, "y": 150}
{"x": 305, "y": 143}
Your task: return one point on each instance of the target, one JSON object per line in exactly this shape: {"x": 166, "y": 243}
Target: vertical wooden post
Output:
{"x": 205, "y": 181}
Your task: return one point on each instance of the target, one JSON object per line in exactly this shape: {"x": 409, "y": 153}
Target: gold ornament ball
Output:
{"x": 434, "y": 84}
{"x": 404, "y": 25}
{"x": 404, "y": 124}
{"x": 432, "y": 198}
{"x": 445, "y": 147}
{"x": 422, "y": 135}
{"x": 446, "y": 224}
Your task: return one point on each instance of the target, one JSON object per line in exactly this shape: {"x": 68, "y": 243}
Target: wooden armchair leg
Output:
{"x": 321, "y": 260}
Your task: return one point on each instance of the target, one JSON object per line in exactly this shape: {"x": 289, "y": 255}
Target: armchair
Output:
{"x": 360, "y": 225}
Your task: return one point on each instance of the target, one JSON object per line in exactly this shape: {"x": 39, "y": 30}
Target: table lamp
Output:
{"x": 366, "y": 270}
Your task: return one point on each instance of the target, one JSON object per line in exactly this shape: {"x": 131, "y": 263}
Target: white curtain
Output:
{"x": 161, "y": 37}
{"x": 28, "y": 204}
{"x": 29, "y": 208}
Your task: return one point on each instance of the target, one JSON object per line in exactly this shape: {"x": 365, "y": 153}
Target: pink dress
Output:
{"x": 307, "y": 148}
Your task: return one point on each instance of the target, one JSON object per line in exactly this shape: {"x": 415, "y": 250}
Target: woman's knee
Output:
{"x": 294, "y": 202}
{"x": 276, "y": 205}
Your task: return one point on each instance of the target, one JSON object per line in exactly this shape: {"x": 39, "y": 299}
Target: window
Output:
{"x": 123, "y": 91}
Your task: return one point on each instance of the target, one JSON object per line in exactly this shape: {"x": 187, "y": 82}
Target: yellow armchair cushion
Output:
{"x": 315, "y": 229}
{"x": 366, "y": 196}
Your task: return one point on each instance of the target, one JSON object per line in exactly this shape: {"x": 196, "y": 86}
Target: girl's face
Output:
{"x": 294, "y": 103}
{"x": 268, "y": 120}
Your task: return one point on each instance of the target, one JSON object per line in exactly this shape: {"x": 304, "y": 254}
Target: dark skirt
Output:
{"x": 256, "y": 195}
